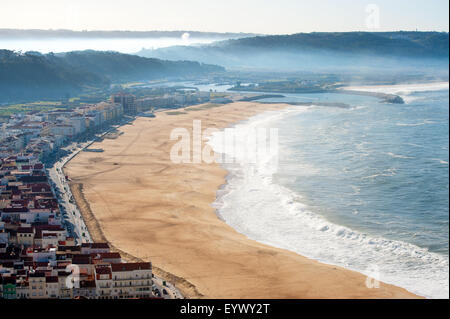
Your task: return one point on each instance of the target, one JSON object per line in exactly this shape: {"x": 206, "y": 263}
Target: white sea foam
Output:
{"x": 411, "y": 124}
{"x": 440, "y": 161}
{"x": 385, "y": 173}
{"x": 398, "y": 156}
{"x": 267, "y": 212}
{"x": 416, "y": 124}
{"x": 403, "y": 90}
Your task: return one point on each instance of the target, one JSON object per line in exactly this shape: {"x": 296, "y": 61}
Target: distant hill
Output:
{"x": 315, "y": 51}
{"x": 36, "y": 33}
{"x": 34, "y": 75}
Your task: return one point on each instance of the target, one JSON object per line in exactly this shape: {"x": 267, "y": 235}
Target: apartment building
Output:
{"x": 131, "y": 280}
{"x": 127, "y": 101}
{"x": 37, "y": 285}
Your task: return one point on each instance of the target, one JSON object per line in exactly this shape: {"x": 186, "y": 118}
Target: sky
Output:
{"x": 253, "y": 16}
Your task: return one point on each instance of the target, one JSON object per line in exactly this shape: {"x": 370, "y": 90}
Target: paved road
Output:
{"x": 72, "y": 218}
{"x": 71, "y": 215}
{"x": 172, "y": 291}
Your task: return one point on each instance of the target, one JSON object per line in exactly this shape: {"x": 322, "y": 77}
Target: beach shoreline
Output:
{"x": 149, "y": 208}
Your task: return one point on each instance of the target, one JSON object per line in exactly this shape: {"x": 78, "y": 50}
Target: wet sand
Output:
{"x": 149, "y": 208}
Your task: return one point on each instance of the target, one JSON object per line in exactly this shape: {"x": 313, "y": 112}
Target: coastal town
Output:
{"x": 45, "y": 248}
{"x": 224, "y": 159}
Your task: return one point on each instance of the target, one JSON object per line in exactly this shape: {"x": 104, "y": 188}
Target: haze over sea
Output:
{"x": 365, "y": 188}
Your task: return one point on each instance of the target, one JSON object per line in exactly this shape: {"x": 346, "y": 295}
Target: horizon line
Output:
{"x": 220, "y": 32}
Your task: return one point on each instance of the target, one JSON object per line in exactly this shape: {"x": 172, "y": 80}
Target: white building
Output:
{"x": 78, "y": 122}
{"x": 103, "y": 281}
{"x": 52, "y": 287}
{"x": 62, "y": 129}
{"x": 37, "y": 286}
{"x": 132, "y": 280}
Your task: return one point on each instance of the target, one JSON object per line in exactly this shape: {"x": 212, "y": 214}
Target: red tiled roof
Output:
{"x": 15, "y": 210}
{"x": 40, "y": 188}
{"x": 51, "y": 279}
{"x": 9, "y": 280}
{"x": 81, "y": 259}
{"x": 37, "y": 274}
{"x": 52, "y": 228}
{"x": 25, "y": 230}
{"x": 106, "y": 255}
{"x": 87, "y": 284}
{"x": 41, "y": 264}
{"x": 130, "y": 266}
{"x": 103, "y": 270}
{"x": 95, "y": 245}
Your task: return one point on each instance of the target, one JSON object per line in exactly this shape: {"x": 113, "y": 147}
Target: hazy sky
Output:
{"x": 257, "y": 16}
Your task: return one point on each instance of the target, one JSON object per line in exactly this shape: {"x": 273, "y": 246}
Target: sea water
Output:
{"x": 363, "y": 187}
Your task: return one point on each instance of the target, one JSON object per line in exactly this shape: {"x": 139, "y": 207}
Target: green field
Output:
{"x": 8, "y": 110}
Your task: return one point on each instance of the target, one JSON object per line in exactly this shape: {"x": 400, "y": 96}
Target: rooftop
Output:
{"x": 131, "y": 266}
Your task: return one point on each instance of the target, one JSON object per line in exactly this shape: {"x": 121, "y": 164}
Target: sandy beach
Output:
{"x": 149, "y": 208}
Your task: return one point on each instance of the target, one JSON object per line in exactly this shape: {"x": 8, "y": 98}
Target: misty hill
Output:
{"x": 34, "y": 75}
{"x": 36, "y": 33}
{"x": 316, "y": 51}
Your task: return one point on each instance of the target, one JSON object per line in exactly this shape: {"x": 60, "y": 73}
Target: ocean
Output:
{"x": 364, "y": 187}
